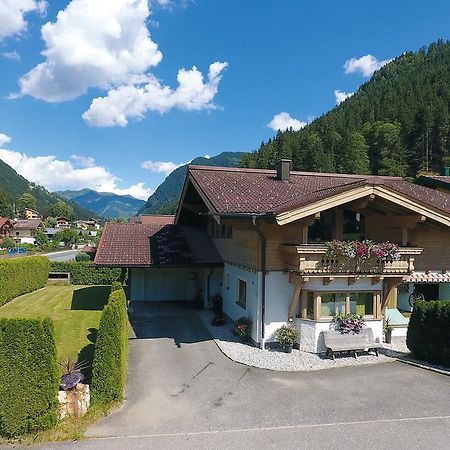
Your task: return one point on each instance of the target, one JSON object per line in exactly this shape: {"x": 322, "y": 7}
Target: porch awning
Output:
{"x": 428, "y": 278}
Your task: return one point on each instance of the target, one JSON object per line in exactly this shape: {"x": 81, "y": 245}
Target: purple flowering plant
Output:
{"x": 72, "y": 373}
{"x": 349, "y": 323}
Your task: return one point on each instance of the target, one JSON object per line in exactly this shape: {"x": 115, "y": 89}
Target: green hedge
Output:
{"x": 21, "y": 275}
{"x": 29, "y": 376}
{"x": 111, "y": 350}
{"x": 429, "y": 331}
{"x": 84, "y": 272}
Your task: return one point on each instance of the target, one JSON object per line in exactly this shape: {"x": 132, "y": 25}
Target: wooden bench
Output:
{"x": 338, "y": 342}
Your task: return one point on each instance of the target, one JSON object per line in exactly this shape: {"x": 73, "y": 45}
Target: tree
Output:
{"x": 50, "y": 222}
{"x": 5, "y": 205}
{"x": 41, "y": 239}
{"x": 9, "y": 243}
{"x": 356, "y": 157}
{"x": 59, "y": 209}
{"x": 69, "y": 236}
{"x": 26, "y": 201}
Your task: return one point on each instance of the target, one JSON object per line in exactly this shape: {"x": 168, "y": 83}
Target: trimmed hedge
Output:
{"x": 29, "y": 376}
{"x": 429, "y": 331}
{"x": 84, "y": 272}
{"x": 111, "y": 351}
{"x": 22, "y": 275}
{"x": 116, "y": 286}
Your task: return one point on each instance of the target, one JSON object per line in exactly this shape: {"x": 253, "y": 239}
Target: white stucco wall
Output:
{"x": 278, "y": 298}
{"x": 311, "y": 339}
{"x": 231, "y": 273}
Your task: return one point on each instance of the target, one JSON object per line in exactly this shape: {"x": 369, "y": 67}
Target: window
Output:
{"x": 242, "y": 293}
{"x": 310, "y": 305}
{"x": 332, "y": 303}
{"x": 353, "y": 227}
{"x": 361, "y": 303}
{"x": 219, "y": 231}
{"x": 322, "y": 229}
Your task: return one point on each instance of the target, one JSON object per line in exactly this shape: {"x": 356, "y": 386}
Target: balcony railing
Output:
{"x": 312, "y": 259}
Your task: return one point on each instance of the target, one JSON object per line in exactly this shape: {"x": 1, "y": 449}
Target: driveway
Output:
{"x": 184, "y": 393}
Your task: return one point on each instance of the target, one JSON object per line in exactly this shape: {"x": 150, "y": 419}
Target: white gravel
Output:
{"x": 253, "y": 356}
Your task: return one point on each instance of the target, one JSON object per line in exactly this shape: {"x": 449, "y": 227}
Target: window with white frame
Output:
{"x": 242, "y": 293}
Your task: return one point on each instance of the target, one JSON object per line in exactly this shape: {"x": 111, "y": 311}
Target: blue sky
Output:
{"x": 263, "y": 57}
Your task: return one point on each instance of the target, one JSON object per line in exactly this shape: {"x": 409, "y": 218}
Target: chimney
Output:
{"x": 283, "y": 169}
{"x": 447, "y": 171}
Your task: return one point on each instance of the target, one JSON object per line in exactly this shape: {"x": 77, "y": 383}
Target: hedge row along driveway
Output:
{"x": 84, "y": 272}
{"x": 22, "y": 275}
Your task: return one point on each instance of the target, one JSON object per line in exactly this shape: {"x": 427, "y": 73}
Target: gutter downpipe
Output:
{"x": 263, "y": 281}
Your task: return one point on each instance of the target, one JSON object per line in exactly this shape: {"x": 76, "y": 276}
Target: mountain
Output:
{"x": 14, "y": 185}
{"x": 165, "y": 199}
{"x": 395, "y": 124}
{"x": 105, "y": 204}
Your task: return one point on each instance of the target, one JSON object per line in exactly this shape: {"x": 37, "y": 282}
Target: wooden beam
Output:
{"x": 351, "y": 280}
{"x": 397, "y": 221}
{"x": 376, "y": 280}
{"x": 294, "y": 302}
{"x": 327, "y": 280}
{"x": 388, "y": 286}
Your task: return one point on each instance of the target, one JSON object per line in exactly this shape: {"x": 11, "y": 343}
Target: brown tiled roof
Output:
{"x": 4, "y": 220}
{"x": 28, "y": 224}
{"x": 442, "y": 178}
{"x": 152, "y": 219}
{"x": 254, "y": 191}
{"x": 143, "y": 245}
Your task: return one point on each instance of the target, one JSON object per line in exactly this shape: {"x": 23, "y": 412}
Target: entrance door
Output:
{"x": 429, "y": 290}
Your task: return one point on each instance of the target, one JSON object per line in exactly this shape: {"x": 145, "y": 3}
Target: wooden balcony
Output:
{"x": 312, "y": 259}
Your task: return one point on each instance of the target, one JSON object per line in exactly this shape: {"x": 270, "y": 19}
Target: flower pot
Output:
{"x": 287, "y": 348}
{"x": 388, "y": 337}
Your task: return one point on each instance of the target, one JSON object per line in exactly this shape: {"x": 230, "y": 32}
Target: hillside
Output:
{"x": 164, "y": 200}
{"x": 105, "y": 204}
{"x": 14, "y": 185}
{"x": 395, "y": 124}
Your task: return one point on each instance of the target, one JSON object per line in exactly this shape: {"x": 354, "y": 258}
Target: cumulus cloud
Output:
{"x": 133, "y": 101}
{"x": 283, "y": 121}
{"x": 366, "y": 65}
{"x": 12, "y": 15}
{"x": 105, "y": 44}
{"x": 165, "y": 167}
{"x": 340, "y": 96}
{"x": 98, "y": 44}
{"x": 55, "y": 174}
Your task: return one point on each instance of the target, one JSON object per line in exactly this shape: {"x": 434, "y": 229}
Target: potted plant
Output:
{"x": 72, "y": 373}
{"x": 387, "y": 329}
{"x": 217, "y": 307}
{"x": 287, "y": 335}
{"x": 242, "y": 328}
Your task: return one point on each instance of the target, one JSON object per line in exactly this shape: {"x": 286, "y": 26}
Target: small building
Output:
{"x": 6, "y": 227}
{"x": 25, "y": 230}
{"x": 62, "y": 222}
{"x": 31, "y": 214}
{"x": 441, "y": 183}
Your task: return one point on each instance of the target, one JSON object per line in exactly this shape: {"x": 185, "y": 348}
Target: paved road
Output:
{"x": 65, "y": 255}
{"x": 184, "y": 394}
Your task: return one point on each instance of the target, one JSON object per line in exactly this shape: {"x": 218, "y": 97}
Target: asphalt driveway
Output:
{"x": 184, "y": 393}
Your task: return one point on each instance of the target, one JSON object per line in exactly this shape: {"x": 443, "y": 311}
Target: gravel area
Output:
{"x": 253, "y": 356}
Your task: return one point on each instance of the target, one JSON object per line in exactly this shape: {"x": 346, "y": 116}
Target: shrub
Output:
{"x": 82, "y": 256}
{"x": 111, "y": 350}
{"x": 29, "y": 376}
{"x": 287, "y": 334}
{"x": 243, "y": 326}
{"x": 116, "y": 286}
{"x": 85, "y": 272}
{"x": 21, "y": 275}
{"x": 429, "y": 331}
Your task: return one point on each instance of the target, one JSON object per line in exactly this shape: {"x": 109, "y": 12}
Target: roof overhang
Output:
{"x": 384, "y": 192}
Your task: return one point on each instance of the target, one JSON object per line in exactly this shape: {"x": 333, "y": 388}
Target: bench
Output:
{"x": 338, "y": 342}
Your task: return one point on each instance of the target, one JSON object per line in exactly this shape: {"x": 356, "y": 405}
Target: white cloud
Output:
{"x": 133, "y": 101}
{"x": 100, "y": 44}
{"x": 55, "y": 174}
{"x": 105, "y": 44}
{"x": 366, "y": 65}
{"x": 12, "y": 15}
{"x": 83, "y": 161}
{"x": 341, "y": 96}
{"x": 4, "y": 139}
{"x": 12, "y": 55}
{"x": 165, "y": 167}
{"x": 284, "y": 121}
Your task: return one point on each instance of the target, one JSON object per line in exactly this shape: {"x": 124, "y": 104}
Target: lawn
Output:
{"x": 75, "y": 311}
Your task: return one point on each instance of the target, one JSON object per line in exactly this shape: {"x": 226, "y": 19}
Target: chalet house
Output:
{"x": 439, "y": 182}
{"x": 6, "y": 227}
{"x": 25, "y": 230}
{"x": 31, "y": 214}
{"x": 62, "y": 222}
{"x": 272, "y": 244}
